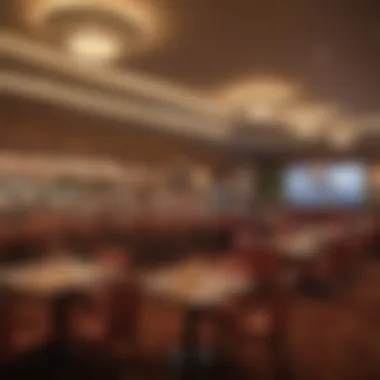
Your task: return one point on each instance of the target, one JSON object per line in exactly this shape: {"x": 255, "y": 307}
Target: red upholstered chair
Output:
{"x": 115, "y": 258}
{"x": 39, "y": 228}
{"x": 125, "y": 308}
{"x": 7, "y": 233}
{"x": 88, "y": 319}
{"x": 253, "y": 321}
{"x": 30, "y": 324}
{"x": 4, "y": 326}
{"x": 86, "y": 229}
{"x": 354, "y": 252}
{"x": 123, "y": 301}
{"x": 335, "y": 260}
{"x": 245, "y": 239}
{"x": 266, "y": 264}
{"x": 251, "y": 337}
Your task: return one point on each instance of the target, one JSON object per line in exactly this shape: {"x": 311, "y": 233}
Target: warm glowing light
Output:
{"x": 13, "y": 163}
{"x": 201, "y": 178}
{"x": 260, "y": 112}
{"x": 128, "y": 26}
{"x": 375, "y": 176}
{"x": 306, "y": 130}
{"x": 260, "y": 98}
{"x": 94, "y": 44}
{"x": 266, "y": 90}
{"x": 309, "y": 120}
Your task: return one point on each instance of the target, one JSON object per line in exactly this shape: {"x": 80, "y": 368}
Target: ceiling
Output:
{"x": 42, "y": 128}
{"x": 328, "y": 48}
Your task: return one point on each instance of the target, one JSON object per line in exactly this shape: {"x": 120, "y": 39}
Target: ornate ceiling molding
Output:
{"x": 39, "y": 55}
{"x": 116, "y": 108}
{"x": 97, "y": 30}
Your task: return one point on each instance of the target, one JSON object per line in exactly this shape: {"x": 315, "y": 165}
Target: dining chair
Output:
{"x": 30, "y": 323}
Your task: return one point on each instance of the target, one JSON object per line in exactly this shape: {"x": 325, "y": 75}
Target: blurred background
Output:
{"x": 189, "y": 189}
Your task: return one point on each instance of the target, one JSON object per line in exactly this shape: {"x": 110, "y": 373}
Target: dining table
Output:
{"x": 55, "y": 276}
{"x": 196, "y": 283}
{"x": 53, "y": 280}
{"x": 305, "y": 248}
{"x": 198, "y": 286}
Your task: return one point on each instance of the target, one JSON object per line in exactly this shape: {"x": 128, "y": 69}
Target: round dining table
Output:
{"x": 196, "y": 283}
{"x": 197, "y": 287}
{"x": 58, "y": 280}
{"x": 303, "y": 250}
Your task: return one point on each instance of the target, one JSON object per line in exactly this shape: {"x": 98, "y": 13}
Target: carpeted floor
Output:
{"x": 325, "y": 340}
{"x": 338, "y": 340}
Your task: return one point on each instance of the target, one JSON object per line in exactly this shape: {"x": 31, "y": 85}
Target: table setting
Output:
{"x": 55, "y": 275}
{"x": 196, "y": 283}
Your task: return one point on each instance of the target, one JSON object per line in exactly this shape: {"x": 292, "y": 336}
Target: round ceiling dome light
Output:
{"x": 96, "y": 30}
{"x": 94, "y": 44}
{"x": 266, "y": 89}
{"x": 261, "y": 98}
{"x": 308, "y": 121}
{"x": 260, "y": 112}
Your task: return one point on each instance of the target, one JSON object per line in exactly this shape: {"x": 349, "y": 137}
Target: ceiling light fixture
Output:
{"x": 95, "y": 30}
{"x": 307, "y": 131}
{"x": 94, "y": 44}
{"x": 260, "y": 98}
{"x": 260, "y": 112}
{"x": 268, "y": 89}
{"x": 308, "y": 121}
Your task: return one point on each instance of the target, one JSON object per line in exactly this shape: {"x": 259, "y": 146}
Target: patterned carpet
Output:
{"x": 338, "y": 340}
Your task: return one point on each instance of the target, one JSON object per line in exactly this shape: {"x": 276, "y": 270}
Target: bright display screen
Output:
{"x": 341, "y": 184}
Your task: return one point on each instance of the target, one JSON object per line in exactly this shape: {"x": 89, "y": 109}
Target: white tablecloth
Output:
{"x": 309, "y": 243}
{"x": 200, "y": 284}
{"x": 54, "y": 276}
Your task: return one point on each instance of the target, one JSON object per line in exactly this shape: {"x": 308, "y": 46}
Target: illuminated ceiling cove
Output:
{"x": 191, "y": 67}
{"x": 94, "y": 30}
